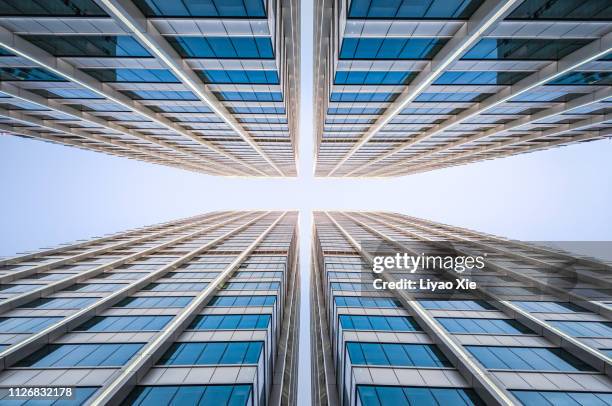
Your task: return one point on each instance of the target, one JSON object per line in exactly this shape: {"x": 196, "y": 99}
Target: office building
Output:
{"x": 403, "y": 87}
{"x": 205, "y": 85}
{"x": 537, "y": 329}
{"x": 202, "y": 311}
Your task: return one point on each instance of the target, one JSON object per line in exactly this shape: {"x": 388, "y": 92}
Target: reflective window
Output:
{"x": 43, "y": 276}
{"x": 223, "y": 47}
{"x": 257, "y": 110}
{"x": 484, "y": 326}
{"x": 562, "y": 9}
{"x": 408, "y": 396}
{"x": 160, "y": 95}
{"x": 176, "y": 287}
{"x": 584, "y": 78}
{"x": 231, "y": 322}
{"x": 94, "y": 287}
{"x": 202, "y": 8}
{"x": 480, "y": 78}
{"x": 133, "y": 75}
{"x": 382, "y": 323}
{"x": 81, "y": 355}
{"x": 242, "y": 301}
{"x": 222, "y": 353}
{"x": 155, "y": 302}
{"x": 354, "y": 110}
{"x": 67, "y": 93}
{"x": 251, "y": 285}
{"x": 29, "y": 74}
{"x": 181, "y": 109}
{"x": 191, "y": 275}
{"x": 549, "y": 307}
{"x": 362, "y": 97}
{"x": 203, "y": 395}
{"x": 362, "y": 301}
{"x": 434, "y": 9}
{"x": 79, "y": 395}
{"x": 26, "y": 324}
{"x": 455, "y": 304}
{"x": 125, "y": 323}
{"x": 584, "y": 328}
{"x": 18, "y": 288}
{"x": 240, "y": 76}
{"x": 89, "y": 45}
{"x": 524, "y": 48}
{"x": 527, "y": 358}
{"x": 249, "y": 96}
{"x": 373, "y": 78}
{"x": 68, "y": 8}
{"x": 406, "y": 355}
{"x": 534, "y": 398}
{"x": 354, "y": 287}
{"x": 390, "y": 48}
{"x": 451, "y": 97}
{"x": 60, "y": 303}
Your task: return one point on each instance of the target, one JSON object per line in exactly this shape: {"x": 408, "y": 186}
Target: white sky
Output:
{"x": 52, "y": 194}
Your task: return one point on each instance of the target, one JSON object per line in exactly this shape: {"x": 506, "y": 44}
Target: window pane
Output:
{"x": 89, "y": 45}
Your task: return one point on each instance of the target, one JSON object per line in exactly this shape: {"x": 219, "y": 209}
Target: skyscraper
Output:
{"x": 202, "y": 310}
{"x": 209, "y": 86}
{"x": 403, "y": 87}
{"x": 537, "y": 329}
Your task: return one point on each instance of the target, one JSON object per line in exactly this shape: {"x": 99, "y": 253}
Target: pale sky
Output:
{"x": 53, "y": 194}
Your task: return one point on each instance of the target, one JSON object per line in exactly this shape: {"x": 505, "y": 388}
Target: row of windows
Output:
{"x": 231, "y": 322}
{"x": 223, "y": 47}
{"x": 202, "y": 8}
{"x": 125, "y": 323}
{"x": 89, "y": 45}
{"x": 269, "y": 77}
{"x": 482, "y": 326}
{"x": 373, "y": 78}
{"x": 362, "y": 97}
{"x": 362, "y": 301}
{"x": 382, "y": 323}
{"x": 201, "y": 395}
{"x": 51, "y": 8}
{"x": 414, "y": 355}
{"x": 526, "y": 358}
{"x": 176, "y": 287}
{"x": 434, "y": 9}
{"x": 155, "y": 302}
{"x": 455, "y": 305}
{"x": 550, "y": 398}
{"x": 408, "y": 396}
{"x": 28, "y": 74}
{"x": 226, "y": 353}
{"x": 251, "y": 285}
{"x": 390, "y": 48}
{"x": 242, "y": 301}
{"x": 250, "y": 96}
{"x": 83, "y": 355}
{"x": 60, "y": 303}
{"x": 26, "y": 324}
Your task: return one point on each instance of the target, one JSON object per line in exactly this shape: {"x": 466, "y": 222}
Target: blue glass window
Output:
{"x": 362, "y": 301}
{"x": 72, "y": 8}
{"x": 79, "y": 395}
{"x": 29, "y": 74}
{"x": 549, "y": 307}
{"x": 201, "y": 395}
{"x": 81, "y": 355}
{"x": 125, "y": 323}
{"x": 176, "y": 287}
{"x": 202, "y": 8}
{"x": 527, "y": 358}
{"x": 382, "y": 323}
{"x": 67, "y": 93}
{"x": 455, "y": 304}
{"x": 434, "y": 9}
{"x": 354, "y": 110}
{"x": 133, "y": 75}
{"x": 373, "y": 78}
{"x": 223, "y": 47}
{"x": 405, "y": 355}
{"x": 44, "y": 276}
{"x": 562, "y": 10}
{"x": 60, "y": 303}
{"x": 231, "y": 322}
{"x": 94, "y": 287}
{"x": 533, "y": 398}
{"x": 213, "y": 353}
{"x": 160, "y": 95}
{"x": 242, "y": 301}
{"x": 251, "y": 285}
{"x": 584, "y": 78}
{"x": 480, "y": 78}
{"x": 409, "y": 396}
{"x": 269, "y": 77}
{"x": 89, "y": 45}
{"x": 354, "y": 287}
{"x": 181, "y": 109}
{"x": 18, "y": 288}
{"x": 524, "y": 48}
{"x": 584, "y": 328}
{"x": 257, "y": 110}
{"x": 484, "y": 326}
{"x": 250, "y": 96}
{"x": 390, "y": 48}
{"x": 26, "y": 324}
{"x": 155, "y": 302}
{"x": 362, "y": 97}
{"x": 452, "y": 97}
{"x": 191, "y": 275}
{"x": 430, "y": 111}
